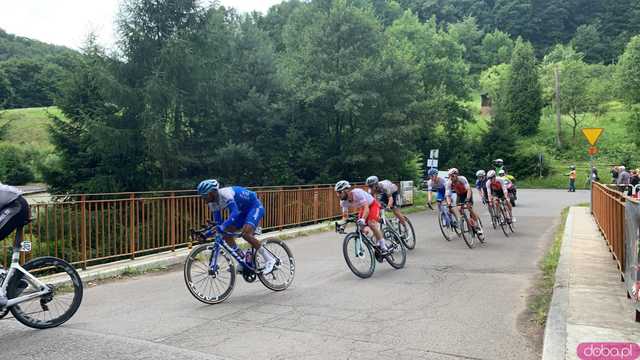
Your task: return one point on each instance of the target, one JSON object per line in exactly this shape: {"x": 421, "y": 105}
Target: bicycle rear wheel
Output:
{"x": 407, "y": 234}
{"x": 359, "y": 255}
{"x": 397, "y": 256}
{"x": 58, "y": 305}
{"x": 284, "y": 270}
{"x": 204, "y": 284}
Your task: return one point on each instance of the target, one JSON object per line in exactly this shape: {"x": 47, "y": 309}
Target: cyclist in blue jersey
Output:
{"x": 436, "y": 184}
{"x": 245, "y": 213}
{"x": 481, "y": 182}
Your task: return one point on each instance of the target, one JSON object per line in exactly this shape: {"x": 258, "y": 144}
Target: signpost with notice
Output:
{"x": 592, "y": 135}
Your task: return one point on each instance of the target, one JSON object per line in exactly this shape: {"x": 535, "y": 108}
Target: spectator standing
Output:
{"x": 624, "y": 179}
{"x": 635, "y": 180}
{"x": 594, "y": 175}
{"x": 572, "y": 178}
{"x": 614, "y": 174}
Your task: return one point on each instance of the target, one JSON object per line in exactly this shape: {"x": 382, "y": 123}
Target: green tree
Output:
{"x": 588, "y": 41}
{"x": 467, "y": 33}
{"x": 496, "y": 48}
{"x": 628, "y": 72}
{"x": 574, "y": 97}
{"x": 522, "y": 95}
{"x": 13, "y": 168}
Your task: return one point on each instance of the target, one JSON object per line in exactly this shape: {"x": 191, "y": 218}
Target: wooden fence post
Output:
{"x": 132, "y": 227}
{"x": 83, "y": 235}
{"x": 172, "y": 221}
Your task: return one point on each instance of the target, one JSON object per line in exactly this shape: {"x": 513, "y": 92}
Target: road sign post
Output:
{"x": 592, "y": 135}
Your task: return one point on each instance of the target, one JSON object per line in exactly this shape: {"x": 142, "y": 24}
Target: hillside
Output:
{"x": 18, "y": 47}
{"x": 28, "y": 128}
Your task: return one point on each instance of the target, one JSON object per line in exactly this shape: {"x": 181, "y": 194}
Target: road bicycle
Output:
{"x": 210, "y": 272}
{"x": 492, "y": 213}
{"x": 43, "y": 293}
{"x": 404, "y": 231}
{"x": 448, "y": 222}
{"x": 361, "y": 252}
{"x": 503, "y": 217}
{"x": 468, "y": 231}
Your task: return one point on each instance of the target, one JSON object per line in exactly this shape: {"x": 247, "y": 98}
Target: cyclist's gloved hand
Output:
{"x": 218, "y": 229}
{"x": 361, "y": 222}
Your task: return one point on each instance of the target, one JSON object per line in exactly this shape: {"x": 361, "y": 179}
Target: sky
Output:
{"x": 67, "y": 22}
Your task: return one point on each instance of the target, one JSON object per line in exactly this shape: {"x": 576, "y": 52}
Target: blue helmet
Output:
{"x": 433, "y": 172}
{"x": 207, "y": 186}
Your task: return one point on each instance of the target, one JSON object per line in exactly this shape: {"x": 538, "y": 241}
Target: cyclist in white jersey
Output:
{"x": 368, "y": 209}
{"x": 388, "y": 192}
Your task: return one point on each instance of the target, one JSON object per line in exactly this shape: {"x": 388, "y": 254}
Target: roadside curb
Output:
{"x": 172, "y": 258}
{"x": 555, "y": 332}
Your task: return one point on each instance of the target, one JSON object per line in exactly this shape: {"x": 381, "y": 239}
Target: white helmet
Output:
{"x": 501, "y": 172}
{"x": 621, "y": 167}
{"x": 372, "y": 180}
{"x": 342, "y": 185}
{"x": 453, "y": 171}
{"x": 498, "y": 161}
{"x": 480, "y": 173}
{"x": 491, "y": 174}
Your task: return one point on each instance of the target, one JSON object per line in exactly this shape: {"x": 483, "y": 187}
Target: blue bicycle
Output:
{"x": 210, "y": 272}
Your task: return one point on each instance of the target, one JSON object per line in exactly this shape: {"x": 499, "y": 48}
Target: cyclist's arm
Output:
{"x": 217, "y": 216}
{"x": 365, "y": 212}
{"x": 488, "y": 189}
{"x": 469, "y": 192}
{"x": 234, "y": 212}
{"x": 390, "y": 201}
{"x": 447, "y": 193}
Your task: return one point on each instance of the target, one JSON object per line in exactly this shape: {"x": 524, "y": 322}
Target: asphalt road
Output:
{"x": 449, "y": 302}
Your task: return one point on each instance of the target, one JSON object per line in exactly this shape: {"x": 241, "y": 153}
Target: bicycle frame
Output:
{"x": 445, "y": 210}
{"x": 220, "y": 243}
{"x": 13, "y": 269}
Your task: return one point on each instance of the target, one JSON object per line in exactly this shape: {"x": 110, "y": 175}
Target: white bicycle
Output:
{"x": 43, "y": 293}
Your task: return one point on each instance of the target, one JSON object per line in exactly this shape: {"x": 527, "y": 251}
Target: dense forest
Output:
{"x": 319, "y": 90}
{"x": 31, "y": 72}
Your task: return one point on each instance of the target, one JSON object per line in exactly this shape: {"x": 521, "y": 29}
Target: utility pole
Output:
{"x": 558, "y": 115}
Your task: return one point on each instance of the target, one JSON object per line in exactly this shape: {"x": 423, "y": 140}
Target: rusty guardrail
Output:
{"x": 94, "y": 228}
{"x": 608, "y": 208}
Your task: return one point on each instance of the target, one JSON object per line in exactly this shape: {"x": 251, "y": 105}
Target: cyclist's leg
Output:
{"x": 373, "y": 221}
{"x": 396, "y": 209}
{"x": 251, "y": 222}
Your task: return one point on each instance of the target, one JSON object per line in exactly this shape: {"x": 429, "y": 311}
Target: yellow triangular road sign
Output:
{"x": 592, "y": 134}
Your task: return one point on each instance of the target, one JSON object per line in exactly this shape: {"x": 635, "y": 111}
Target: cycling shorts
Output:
{"x": 252, "y": 216}
{"x": 497, "y": 193}
{"x": 13, "y": 216}
{"x": 463, "y": 198}
{"x": 384, "y": 199}
{"x": 374, "y": 212}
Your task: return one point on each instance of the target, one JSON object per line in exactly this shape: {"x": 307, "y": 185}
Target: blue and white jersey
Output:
{"x": 439, "y": 187}
{"x": 237, "y": 200}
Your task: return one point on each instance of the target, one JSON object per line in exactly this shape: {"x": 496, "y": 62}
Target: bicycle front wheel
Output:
{"x": 359, "y": 255}
{"x": 210, "y": 287}
{"x": 502, "y": 220}
{"x": 283, "y": 271}
{"x": 63, "y": 297}
{"x": 446, "y": 227}
{"x": 397, "y": 256}
{"x": 467, "y": 232}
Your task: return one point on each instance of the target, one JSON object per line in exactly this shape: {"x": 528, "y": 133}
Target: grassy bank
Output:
{"x": 541, "y": 300}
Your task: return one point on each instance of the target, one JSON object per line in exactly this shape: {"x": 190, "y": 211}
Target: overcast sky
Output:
{"x": 67, "y": 22}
